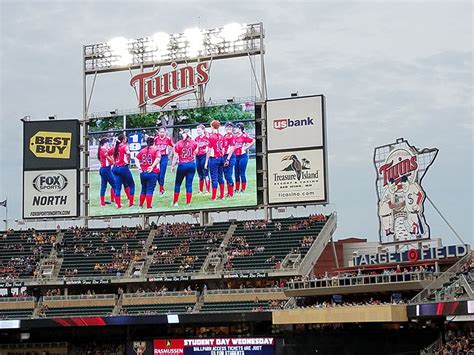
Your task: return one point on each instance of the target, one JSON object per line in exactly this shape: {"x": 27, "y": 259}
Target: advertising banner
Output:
{"x": 400, "y": 169}
{"x": 412, "y": 255}
{"x": 295, "y": 123}
{"x": 50, "y": 193}
{"x": 215, "y": 346}
{"x": 50, "y": 144}
{"x": 297, "y": 176}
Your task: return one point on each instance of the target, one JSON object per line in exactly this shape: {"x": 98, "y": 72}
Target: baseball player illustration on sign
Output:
{"x": 401, "y": 197}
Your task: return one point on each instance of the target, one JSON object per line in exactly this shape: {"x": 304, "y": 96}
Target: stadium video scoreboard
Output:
{"x": 295, "y": 156}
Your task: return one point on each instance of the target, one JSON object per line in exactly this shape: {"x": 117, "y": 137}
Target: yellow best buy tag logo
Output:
{"x": 54, "y": 145}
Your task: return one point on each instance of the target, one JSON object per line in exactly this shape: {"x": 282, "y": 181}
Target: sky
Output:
{"x": 387, "y": 69}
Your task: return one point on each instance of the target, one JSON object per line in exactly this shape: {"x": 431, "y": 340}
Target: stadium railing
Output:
{"x": 241, "y": 300}
{"x": 447, "y": 278}
{"x": 17, "y": 299}
{"x": 359, "y": 280}
{"x": 239, "y": 291}
{"x": 318, "y": 245}
{"x": 79, "y": 297}
{"x": 160, "y": 294}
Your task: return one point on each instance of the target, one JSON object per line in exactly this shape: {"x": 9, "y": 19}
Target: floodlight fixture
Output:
{"x": 194, "y": 40}
{"x": 119, "y": 49}
{"x": 233, "y": 31}
{"x": 194, "y": 44}
{"x": 159, "y": 44}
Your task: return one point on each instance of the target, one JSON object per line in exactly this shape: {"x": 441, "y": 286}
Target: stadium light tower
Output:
{"x": 160, "y": 49}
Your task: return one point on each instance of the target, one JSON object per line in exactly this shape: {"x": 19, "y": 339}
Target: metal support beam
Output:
{"x": 445, "y": 220}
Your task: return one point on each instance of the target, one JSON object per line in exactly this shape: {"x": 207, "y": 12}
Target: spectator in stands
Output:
{"x": 455, "y": 343}
{"x": 278, "y": 226}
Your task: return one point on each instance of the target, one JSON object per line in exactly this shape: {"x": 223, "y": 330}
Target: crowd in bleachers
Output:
{"x": 307, "y": 241}
{"x": 16, "y": 266}
{"x": 367, "y": 302}
{"x": 249, "y": 225}
{"x": 277, "y": 304}
{"x": 306, "y": 223}
{"x": 21, "y": 251}
{"x": 174, "y": 229}
{"x": 360, "y": 272}
{"x": 254, "y": 243}
{"x": 96, "y": 348}
{"x": 181, "y": 255}
{"x": 467, "y": 268}
{"x": 456, "y": 342}
{"x": 109, "y": 250}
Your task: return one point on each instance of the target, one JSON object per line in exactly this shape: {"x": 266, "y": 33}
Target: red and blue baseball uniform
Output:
{"x": 229, "y": 161}
{"x": 162, "y": 144}
{"x": 216, "y": 163}
{"x": 121, "y": 158}
{"x": 216, "y": 143}
{"x": 147, "y": 157}
{"x": 241, "y": 162}
{"x": 106, "y": 175}
{"x": 122, "y": 174}
{"x": 186, "y": 150}
{"x": 202, "y": 146}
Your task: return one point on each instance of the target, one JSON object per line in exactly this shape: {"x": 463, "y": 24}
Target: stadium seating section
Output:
{"x": 235, "y": 306}
{"x": 265, "y": 238}
{"x": 166, "y": 249}
{"x": 99, "y": 253}
{"x": 192, "y": 248}
{"x": 19, "y": 313}
{"x": 145, "y": 309}
{"x": 20, "y": 252}
{"x": 79, "y": 311}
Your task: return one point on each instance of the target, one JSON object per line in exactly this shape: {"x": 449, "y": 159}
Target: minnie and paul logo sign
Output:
{"x": 400, "y": 169}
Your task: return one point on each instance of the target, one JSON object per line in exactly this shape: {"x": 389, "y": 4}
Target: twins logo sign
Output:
{"x": 163, "y": 88}
{"x": 400, "y": 169}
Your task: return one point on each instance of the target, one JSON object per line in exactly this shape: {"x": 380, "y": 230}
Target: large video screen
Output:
{"x": 180, "y": 160}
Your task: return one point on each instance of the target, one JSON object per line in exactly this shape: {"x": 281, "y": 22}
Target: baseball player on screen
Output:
{"x": 243, "y": 142}
{"x": 163, "y": 142}
{"x": 185, "y": 151}
{"x": 214, "y": 160}
{"x": 202, "y": 141}
{"x": 229, "y": 158}
{"x": 148, "y": 164}
{"x": 104, "y": 154}
{"x": 121, "y": 170}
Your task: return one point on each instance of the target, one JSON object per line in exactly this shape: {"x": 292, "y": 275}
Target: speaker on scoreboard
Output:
{"x": 258, "y": 145}
{"x": 258, "y": 111}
